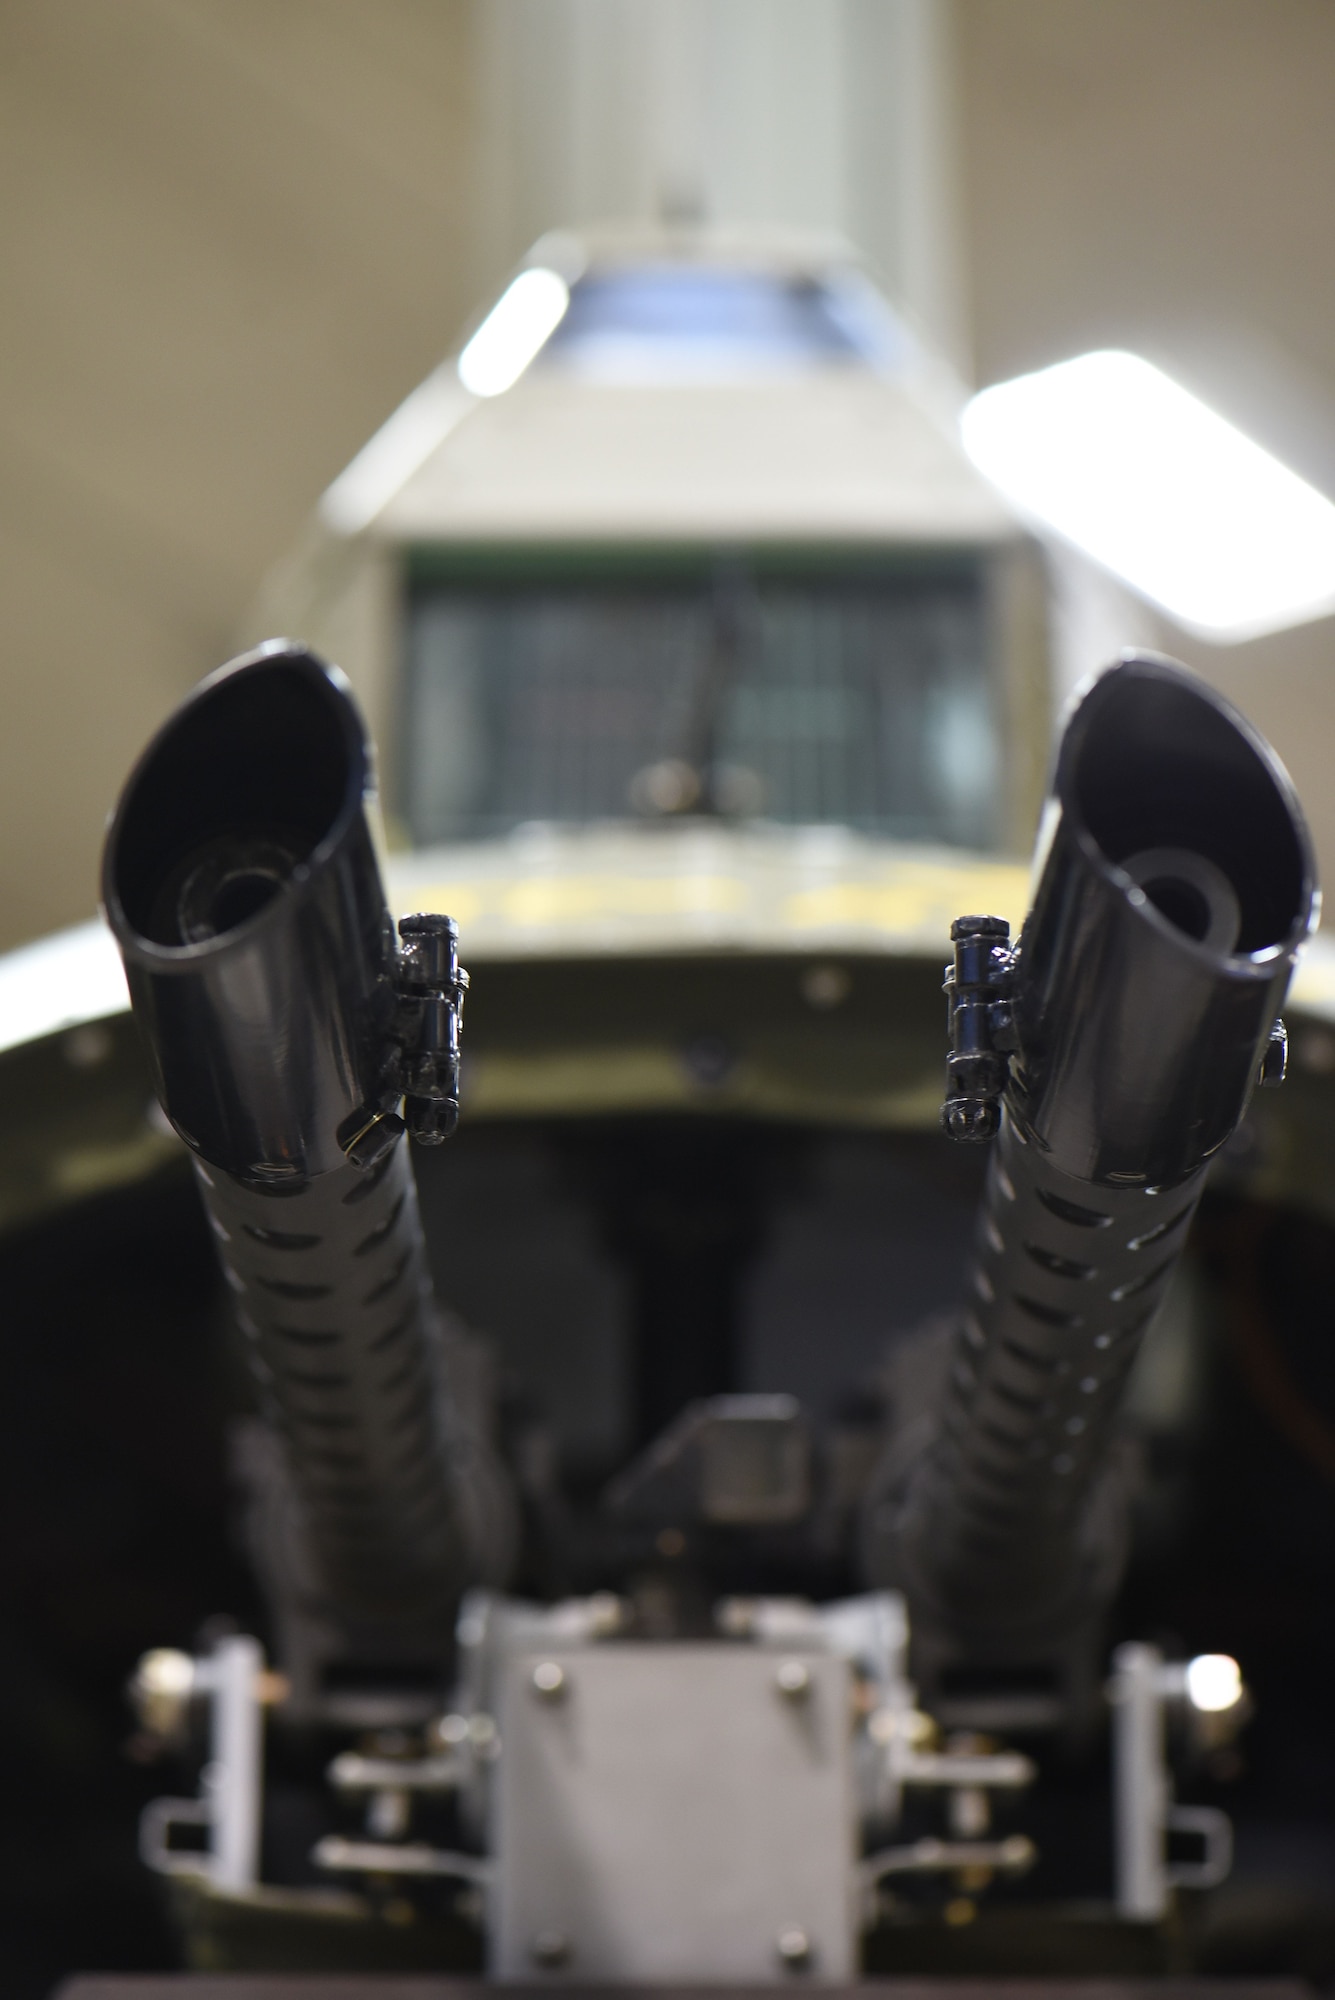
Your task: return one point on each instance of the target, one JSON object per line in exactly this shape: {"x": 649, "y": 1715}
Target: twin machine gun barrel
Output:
{"x": 291, "y": 1038}
{"x": 1108, "y": 1057}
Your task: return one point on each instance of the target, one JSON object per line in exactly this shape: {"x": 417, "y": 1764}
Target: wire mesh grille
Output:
{"x": 856, "y": 702}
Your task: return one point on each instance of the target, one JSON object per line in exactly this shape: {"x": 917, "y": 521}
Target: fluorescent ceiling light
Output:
{"x": 1124, "y": 462}
{"x": 513, "y": 332}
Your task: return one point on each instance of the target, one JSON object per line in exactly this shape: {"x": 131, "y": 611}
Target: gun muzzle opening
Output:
{"x": 233, "y": 801}
{"x": 1192, "y": 892}
{"x": 1178, "y": 792}
{"x": 218, "y": 890}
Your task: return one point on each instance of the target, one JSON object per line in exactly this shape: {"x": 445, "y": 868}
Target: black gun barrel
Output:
{"x": 1175, "y": 885}
{"x": 241, "y": 882}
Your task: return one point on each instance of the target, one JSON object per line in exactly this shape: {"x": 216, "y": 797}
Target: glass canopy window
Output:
{"x": 653, "y": 320}
{"x": 861, "y": 700}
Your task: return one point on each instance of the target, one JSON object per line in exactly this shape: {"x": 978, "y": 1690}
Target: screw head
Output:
{"x": 549, "y": 1680}
{"x": 794, "y": 1947}
{"x": 550, "y": 1949}
{"x": 971, "y": 1121}
{"x": 793, "y": 1679}
{"x": 161, "y": 1689}
{"x": 426, "y": 923}
{"x": 966, "y": 927}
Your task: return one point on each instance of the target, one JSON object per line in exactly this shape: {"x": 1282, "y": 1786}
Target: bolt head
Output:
{"x": 793, "y": 1679}
{"x": 965, "y": 927}
{"x": 550, "y": 1949}
{"x": 447, "y": 1732}
{"x": 972, "y": 1121}
{"x": 161, "y": 1689}
{"x": 794, "y": 1947}
{"x": 549, "y": 1680}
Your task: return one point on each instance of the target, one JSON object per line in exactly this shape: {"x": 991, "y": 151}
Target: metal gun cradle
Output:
{"x": 742, "y": 1798}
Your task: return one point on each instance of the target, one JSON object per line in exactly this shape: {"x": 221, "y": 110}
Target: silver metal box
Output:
{"x": 674, "y": 1812}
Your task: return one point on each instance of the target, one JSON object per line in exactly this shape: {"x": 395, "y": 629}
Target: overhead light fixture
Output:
{"x": 514, "y": 331}
{"x": 1159, "y": 488}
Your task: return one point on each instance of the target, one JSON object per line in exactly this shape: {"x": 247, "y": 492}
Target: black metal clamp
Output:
{"x": 422, "y": 1063}
{"x": 980, "y": 1017}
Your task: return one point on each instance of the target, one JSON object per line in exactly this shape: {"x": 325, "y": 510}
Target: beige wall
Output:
{"x": 1160, "y": 174}
{"x": 235, "y": 232}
